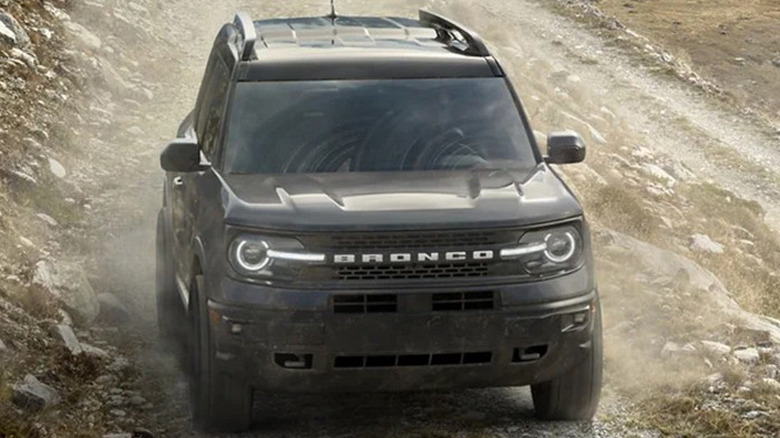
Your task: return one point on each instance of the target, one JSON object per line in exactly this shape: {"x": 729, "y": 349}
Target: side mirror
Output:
{"x": 181, "y": 155}
{"x": 565, "y": 148}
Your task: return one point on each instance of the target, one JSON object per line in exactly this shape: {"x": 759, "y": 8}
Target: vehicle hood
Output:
{"x": 397, "y": 200}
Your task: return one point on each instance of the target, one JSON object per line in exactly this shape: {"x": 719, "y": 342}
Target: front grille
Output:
{"x": 413, "y": 243}
{"x": 386, "y": 303}
{"x": 414, "y": 271}
{"x": 462, "y": 301}
{"x": 409, "y": 240}
{"x": 413, "y": 360}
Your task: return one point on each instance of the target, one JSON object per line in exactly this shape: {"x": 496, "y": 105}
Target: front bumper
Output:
{"x": 411, "y": 347}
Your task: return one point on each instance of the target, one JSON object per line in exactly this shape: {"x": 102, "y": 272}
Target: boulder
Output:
{"x": 68, "y": 282}
{"x": 12, "y": 31}
{"x": 34, "y": 396}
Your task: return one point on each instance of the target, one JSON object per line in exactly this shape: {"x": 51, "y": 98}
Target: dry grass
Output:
{"x": 621, "y": 209}
{"x": 37, "y": 302}
{"x": 749, "y": 270}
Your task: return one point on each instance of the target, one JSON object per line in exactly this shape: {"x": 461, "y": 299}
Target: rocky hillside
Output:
{"x": 71, "y": 81}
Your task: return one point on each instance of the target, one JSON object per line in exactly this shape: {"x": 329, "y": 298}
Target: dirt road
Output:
{"x": 568, "y": 77}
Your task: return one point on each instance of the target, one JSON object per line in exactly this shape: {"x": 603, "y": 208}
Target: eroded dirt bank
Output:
{"x": 663, "y": 168}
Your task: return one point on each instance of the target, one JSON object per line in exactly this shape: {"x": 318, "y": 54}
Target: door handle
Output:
{"x": 178, "y": 182}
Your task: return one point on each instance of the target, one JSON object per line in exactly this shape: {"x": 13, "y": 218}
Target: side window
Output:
{"x": 213, "y": 107}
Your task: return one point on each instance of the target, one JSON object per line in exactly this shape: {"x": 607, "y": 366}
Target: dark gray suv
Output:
{"x": 359, "y": 204}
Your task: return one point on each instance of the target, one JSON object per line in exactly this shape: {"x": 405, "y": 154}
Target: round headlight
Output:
{"x": 561, "y": 246}
{"x": 252, "y": 255}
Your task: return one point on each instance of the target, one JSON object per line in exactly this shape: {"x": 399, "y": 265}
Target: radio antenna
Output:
{"x": 332, "y": 15}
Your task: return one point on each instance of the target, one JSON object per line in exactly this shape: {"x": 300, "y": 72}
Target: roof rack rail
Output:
{"x": 445, "y": 28}
{"x": 246, "y": 27}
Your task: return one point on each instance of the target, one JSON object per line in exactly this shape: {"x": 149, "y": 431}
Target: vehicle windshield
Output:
{"x": 375, "y": 126}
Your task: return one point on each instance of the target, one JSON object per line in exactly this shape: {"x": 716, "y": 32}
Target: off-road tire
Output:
{"x": 574, "y": 395}
{"x": 220, "y": 403}
{"x": 170, "y": 310}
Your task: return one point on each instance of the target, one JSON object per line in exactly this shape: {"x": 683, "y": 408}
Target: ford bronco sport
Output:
{"x": 359, "y": 204}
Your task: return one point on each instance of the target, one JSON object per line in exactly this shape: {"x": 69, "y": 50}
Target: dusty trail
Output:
{"x": 539, "y": 48}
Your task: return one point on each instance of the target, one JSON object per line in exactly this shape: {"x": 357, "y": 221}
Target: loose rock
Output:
{"x": 69, "y": 338}
{"x": 704, "y": 244}
{"x": 105, "y": 379}
{"x": 716, "y": 348}
{"x": 137, "y": 400}
{"x": 715, "y": 379}
{"x": 772, "y": 383}
{"x": 95, "y": 352}
{"x": 68, "y": 282}
{"x": 670, "y": 349}
{"x": 119, "y": 365}
{"x": 48, "y": 219}
{"x": 748, "y": 356}
{"x": 6, "y": 33}
{"x": 34, "y": 396}
{"x": 12, "y": 26}
{"x": 57, "y": 169}
{"x": 659, "y": 173}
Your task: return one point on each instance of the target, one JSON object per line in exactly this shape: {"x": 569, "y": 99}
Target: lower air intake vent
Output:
{"x": 413, "y": 360}
{"x": 365, "y": 303}
{"x": 462, "y": 301}
{"x": 414, "y": 272}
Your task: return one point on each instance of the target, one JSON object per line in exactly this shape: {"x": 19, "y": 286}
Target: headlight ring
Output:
{"x": 557, "y": 241}
{"x": 242, "y": 253}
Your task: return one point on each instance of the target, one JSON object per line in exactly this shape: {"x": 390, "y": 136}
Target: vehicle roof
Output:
{"x": 357, "y": 32}
{"x": 357, "y": 48}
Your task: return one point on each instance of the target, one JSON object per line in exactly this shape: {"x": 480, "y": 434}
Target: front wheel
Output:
{"x": 574, "y": 395}
{"x": 220, "y": 403}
